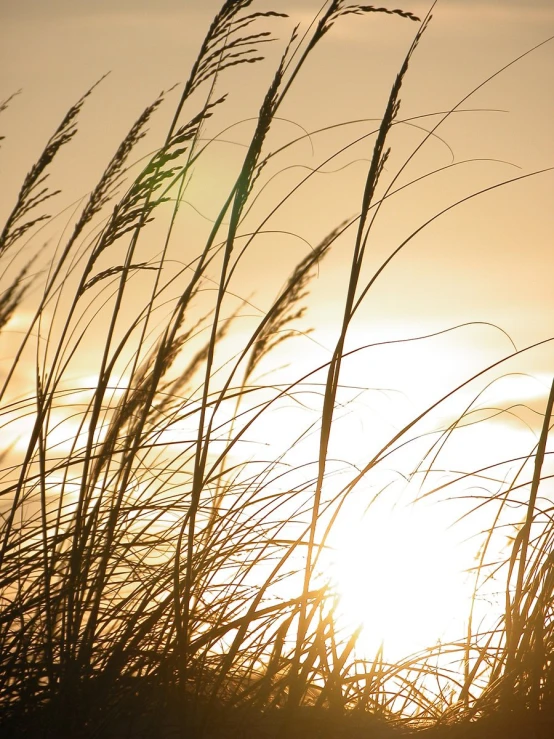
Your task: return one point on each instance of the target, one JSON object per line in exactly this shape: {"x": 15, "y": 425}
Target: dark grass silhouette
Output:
{"x": 143, "y": 576}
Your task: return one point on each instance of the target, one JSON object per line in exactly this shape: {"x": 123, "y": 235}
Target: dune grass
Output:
{"x": 155, "y": 580}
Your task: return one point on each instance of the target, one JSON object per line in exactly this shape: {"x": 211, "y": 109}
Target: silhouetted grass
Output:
{"x": 155, "y": 581}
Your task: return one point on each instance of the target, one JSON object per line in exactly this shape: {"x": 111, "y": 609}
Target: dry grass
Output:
{"x": 153, "y": 581}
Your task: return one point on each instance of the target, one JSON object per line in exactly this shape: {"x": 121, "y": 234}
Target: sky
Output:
{"x": 490, "y": 260}
{"x": 54, "y": 51}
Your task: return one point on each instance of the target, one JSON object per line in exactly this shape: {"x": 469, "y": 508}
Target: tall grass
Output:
{"x": 156, "y": 578}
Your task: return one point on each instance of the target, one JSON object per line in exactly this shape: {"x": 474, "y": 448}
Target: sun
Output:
{"x": 399, "y": 574}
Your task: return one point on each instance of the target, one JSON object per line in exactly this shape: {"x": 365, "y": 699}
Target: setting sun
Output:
{"x": 400, "y": 575}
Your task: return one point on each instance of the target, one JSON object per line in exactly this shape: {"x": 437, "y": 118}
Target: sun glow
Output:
{"x": 400, "y": 575}
{"x": 402, "y": 568}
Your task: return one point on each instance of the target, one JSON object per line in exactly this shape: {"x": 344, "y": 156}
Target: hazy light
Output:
{"x": 400, "y": 575}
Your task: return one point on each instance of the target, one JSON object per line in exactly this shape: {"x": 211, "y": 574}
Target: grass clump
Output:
{"x": 156, "y": 580}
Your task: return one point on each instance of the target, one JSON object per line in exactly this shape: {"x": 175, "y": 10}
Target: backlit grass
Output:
{"x": 172, "y": 504}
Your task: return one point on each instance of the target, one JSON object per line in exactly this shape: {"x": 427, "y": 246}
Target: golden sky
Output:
{"x": 488, "y": 260}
